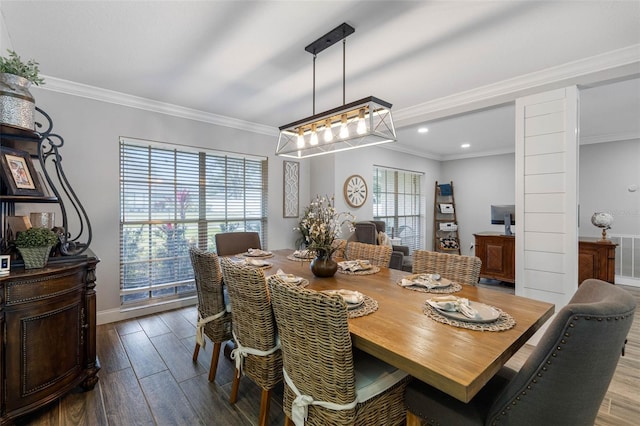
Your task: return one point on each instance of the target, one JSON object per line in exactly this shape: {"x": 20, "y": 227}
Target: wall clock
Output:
{"x": 355, "y": 191}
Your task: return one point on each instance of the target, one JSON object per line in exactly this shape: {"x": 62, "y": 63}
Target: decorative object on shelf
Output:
{"x": 34, "y": 245}
{"x": 42, "y": 219}
{"x": 291, "y": 185}
{"x": 355, "y": 190}
{"x": 17, "y": 105}
{"x": 358, "y": 124}
{"x": 320, "y": 226}
{"x": 5, "y": 265}
{"x": 18, "y": 173}
{"x": 602, "y": 220}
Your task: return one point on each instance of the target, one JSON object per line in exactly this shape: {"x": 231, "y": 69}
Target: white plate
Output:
{"x": 486, "y": 313}
{"x": 265, "y": 254}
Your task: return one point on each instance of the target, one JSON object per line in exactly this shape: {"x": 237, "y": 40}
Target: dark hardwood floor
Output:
{"x": 148, "y": 378}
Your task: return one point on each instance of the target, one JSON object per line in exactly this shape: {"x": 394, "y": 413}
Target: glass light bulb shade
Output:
{"x": 361, "y": 128}
{"x": 328, "y": 134}
{"x": 300, "y": 141}
{"x": 314, "y": 135}
{"x": 344, "y": 128}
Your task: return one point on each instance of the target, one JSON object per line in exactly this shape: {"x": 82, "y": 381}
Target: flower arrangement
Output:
{"x": 36, "y": 237}
{"x": 321, "y": 225}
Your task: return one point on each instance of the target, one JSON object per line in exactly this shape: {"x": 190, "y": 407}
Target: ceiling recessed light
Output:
{"x": 423, "y": 130}
{"x": 465, "y": 145}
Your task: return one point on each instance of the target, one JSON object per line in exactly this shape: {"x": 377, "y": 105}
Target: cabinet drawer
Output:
{"x": 31, "y": 288}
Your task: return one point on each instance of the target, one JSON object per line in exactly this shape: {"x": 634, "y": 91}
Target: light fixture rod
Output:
{"x": 314, "y": 84}
{"x": 344, "y": 69}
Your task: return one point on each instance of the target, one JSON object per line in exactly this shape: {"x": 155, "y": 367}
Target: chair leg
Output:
{"x": 215, "y": 354}
{"x": 233, "y": 397}
{"x": 265, "y": 400}
{"x": 196, "y": 351}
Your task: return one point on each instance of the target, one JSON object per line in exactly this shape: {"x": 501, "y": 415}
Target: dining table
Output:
{"x": 455, "y": 360}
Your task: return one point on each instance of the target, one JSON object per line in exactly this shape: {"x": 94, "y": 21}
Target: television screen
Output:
{"x": 498, "y": 214}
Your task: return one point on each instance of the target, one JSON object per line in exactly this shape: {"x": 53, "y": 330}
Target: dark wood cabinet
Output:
{"x": 498, "y": 255}
{"x": 48, "y": 319}
{"x": 596, "y": 259}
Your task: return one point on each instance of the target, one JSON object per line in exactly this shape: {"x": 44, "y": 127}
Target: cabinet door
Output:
{"x": 44, "y": 348}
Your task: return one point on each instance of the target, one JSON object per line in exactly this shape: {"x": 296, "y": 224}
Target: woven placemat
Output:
{"x": 504, "y": 321}
{"x": 373, "y": 270}
{"x": 299, "y": 259}
{"x": 368, "y": 306}
{"x": 454, "y": 287}
{"x": 302, "y": 283}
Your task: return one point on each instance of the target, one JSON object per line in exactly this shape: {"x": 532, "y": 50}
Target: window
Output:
{"x": 397, "y": 201}
{"x": 173, "y": 197}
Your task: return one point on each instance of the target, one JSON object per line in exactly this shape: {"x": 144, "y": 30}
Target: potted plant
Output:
{"x": 34, "y": 245}
{"x": 17, "y": 106}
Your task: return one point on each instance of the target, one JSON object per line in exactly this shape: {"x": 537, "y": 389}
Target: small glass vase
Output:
{"x": 324, "y": 266}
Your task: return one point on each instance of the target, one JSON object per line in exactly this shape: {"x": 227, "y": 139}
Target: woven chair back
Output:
{"x": 254, "y": 324}
{"x": 377, "y": 255}
{"x": 208, "y": 279}
{"x": 455, "y": 267}
{"x": 316, "y": 348}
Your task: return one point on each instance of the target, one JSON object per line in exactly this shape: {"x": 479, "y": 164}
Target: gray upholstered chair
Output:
{"x": 230, "y": 243}
{"x": 455, "y": 267}
{"x": 323, "y": 374}
{"x": 367, "y": 232}
{"x": 564, "y": 380}
{"x": 214, "y": 321}
{"x": 257, "y": 355}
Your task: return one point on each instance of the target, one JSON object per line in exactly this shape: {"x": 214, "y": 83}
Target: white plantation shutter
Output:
{"x": 173, "y": 197}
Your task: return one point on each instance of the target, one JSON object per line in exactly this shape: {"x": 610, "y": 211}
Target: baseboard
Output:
{"x": 121, "y": 314}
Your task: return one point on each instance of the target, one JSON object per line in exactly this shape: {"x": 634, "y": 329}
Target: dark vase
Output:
{"x": 323, "y": 267}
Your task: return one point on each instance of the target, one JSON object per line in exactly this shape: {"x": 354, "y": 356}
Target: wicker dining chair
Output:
{"x": 455, "y": 267}
{"x": 213, "y": 319}
{"x": 377, "y": 255}
{"x": 321, "y": 367}
{"x": 230, "y": 243}
{"x": 340, "y": 245}
{"x": 257, "y": 354}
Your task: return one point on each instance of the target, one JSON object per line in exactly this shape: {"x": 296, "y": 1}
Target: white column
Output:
{"x": 547, "y": 195}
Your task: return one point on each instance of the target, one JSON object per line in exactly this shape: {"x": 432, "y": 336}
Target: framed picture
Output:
{"x": 291, "y": 182}
{"x": 18, "y": 173}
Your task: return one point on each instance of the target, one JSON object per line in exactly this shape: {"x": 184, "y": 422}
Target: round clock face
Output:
{"x": 355, "y": 191}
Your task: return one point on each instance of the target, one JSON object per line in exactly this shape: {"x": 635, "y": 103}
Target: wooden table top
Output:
{"x": 455, "y": 360}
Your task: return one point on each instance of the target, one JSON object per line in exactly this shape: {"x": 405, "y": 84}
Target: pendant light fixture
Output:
{"x": 364, "y": 122}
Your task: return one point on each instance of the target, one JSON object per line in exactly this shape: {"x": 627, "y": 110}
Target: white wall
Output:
{"x": 607, "y": 170}
{"x": 478, "y": 183}
{"x": 91, "y": 130}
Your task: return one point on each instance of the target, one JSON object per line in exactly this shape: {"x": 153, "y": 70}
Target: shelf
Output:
{"x": 27, "y": 199}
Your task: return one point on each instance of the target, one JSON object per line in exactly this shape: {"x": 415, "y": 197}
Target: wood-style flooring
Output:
{"x": 148, "y": 378}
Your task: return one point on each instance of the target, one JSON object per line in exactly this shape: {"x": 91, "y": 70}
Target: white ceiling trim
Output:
{"x": 91, "y": 92}
{"x": 625, "y": 61}
{"x": 611, "y": 137}
{"x": 609, "y": 65}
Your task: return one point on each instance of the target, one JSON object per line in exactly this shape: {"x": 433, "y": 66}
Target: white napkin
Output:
{"x": 256, "y": 262}
{"x": 424, "y": 280}
{"x": 303, "y": 254}
{"x": 257, "y": 252}
{"x": 354, "y": 265}
{"x": 349, "y": 296}
{"x": 454, "y": 304}
{"x": 289, "y": 278}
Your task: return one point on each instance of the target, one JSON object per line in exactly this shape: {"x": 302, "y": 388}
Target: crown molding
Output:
{"x": 611, "y": 137}
{"x": 611, "y": 65}
{"x": 91, "y": 92}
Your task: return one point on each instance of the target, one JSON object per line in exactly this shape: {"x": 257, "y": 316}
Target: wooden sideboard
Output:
{"x": 48, "y": 323}
{"x": 498, "y": 255}
{"x": 596, "y": 259}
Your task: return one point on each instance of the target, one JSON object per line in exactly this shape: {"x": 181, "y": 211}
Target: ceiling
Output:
{"x": 435, "y": 61}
